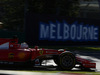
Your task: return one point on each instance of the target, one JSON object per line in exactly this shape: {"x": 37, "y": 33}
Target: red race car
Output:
{"x": 13, "y": 53}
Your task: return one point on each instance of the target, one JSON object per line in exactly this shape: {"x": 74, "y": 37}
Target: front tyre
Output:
{"x": 66, "y": 61}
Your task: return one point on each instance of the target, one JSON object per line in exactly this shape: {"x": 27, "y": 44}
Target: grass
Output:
{"x": 73, "y": 48}
{"x": 84, "y": 48}
{"x": 69, "y": 72}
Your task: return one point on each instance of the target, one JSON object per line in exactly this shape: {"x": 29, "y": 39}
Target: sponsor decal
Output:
{"x": 63, "y": 31}
{"x": 41, "y": 52}
{"x": 11, "y": 55}
{"x": 21, "y": 55}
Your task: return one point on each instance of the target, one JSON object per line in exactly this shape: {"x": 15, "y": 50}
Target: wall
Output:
{"x": 53, "y": 30}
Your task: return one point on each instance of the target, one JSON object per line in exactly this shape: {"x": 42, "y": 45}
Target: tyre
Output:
{"x": 66, "y": 61}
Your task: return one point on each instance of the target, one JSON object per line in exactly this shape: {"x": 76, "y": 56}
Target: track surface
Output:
{"x": 93, "y": 56}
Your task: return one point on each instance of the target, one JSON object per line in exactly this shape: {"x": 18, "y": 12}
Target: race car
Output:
{"x": 13, "y": 53}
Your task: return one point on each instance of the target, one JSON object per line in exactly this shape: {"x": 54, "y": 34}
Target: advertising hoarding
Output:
{"x": 58, "y": 30}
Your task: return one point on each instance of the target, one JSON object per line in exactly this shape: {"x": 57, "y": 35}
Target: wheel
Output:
{"x": 67, "y": 61}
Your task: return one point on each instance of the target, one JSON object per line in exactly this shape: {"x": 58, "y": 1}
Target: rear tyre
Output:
{"x": 66, "y": 61}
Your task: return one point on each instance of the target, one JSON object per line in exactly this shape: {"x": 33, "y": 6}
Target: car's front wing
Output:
{"x": 85, "y": 63}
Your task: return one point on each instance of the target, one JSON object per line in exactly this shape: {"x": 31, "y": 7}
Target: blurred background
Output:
{"x": 13, "y": 12}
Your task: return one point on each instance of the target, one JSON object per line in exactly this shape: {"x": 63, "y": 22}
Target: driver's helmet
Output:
{"x": 24, "y": 45}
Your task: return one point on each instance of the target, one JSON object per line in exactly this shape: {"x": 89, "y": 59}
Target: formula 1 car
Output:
{"x": 13, "y": 53}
